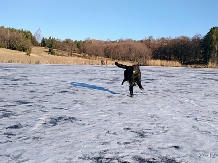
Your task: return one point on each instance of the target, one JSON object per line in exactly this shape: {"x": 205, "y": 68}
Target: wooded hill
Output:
{"x": 196, "y": 50}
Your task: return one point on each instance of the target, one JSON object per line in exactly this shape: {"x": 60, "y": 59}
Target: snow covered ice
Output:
{"x": 69, "y": 113}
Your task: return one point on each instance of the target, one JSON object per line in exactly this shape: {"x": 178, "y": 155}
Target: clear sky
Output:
{"x": 110, "y": 19}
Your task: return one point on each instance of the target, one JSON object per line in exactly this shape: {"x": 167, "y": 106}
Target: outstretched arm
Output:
{"x": 120, "y": 65}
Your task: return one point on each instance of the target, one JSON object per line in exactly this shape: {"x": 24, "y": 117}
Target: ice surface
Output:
{"x": 67, "y": 114}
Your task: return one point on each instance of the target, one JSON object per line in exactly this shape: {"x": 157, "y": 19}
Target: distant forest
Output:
{"x": 186, "y": 50}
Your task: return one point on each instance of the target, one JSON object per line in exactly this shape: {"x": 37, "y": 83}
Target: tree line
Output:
{"x": 186, "y": 50}
{"x": 14, "y": 39}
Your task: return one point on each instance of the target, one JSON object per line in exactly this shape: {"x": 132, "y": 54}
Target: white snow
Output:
{"x": 68, "y": 114}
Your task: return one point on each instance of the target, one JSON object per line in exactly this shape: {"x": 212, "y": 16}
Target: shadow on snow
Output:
{"x": 92, "y": 87}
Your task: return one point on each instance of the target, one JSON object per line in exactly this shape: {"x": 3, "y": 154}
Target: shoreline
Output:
{"x": 39, "y": 55}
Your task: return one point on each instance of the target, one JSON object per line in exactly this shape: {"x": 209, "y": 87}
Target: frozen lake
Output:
{"x": 68, "y": 114}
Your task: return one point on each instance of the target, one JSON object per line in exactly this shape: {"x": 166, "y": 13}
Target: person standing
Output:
{"x": 102, "y": 62}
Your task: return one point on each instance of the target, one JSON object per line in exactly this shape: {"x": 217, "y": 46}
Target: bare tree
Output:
{"x": 37, "y": 35}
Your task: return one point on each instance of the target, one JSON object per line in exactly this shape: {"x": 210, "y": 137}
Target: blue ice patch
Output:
{"x": 92, "y": 87}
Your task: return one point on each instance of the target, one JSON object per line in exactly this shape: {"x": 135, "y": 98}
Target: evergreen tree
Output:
{"x": 210, "y": 46}
{"x": 43, "y": 42}
{"x": 51, "y": 45}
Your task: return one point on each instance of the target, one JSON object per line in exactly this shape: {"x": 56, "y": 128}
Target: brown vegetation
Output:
{"x": 196, "y": 51}
{"x": 180, "y": 51}
{"x": 39, "y": 55}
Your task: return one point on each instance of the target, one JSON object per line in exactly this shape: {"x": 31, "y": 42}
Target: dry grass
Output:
{"x": 39, "y": 55}
{"x": 177, "y": 64}
{"x": 212, "y": 65}
{"x": 163, "y": 63}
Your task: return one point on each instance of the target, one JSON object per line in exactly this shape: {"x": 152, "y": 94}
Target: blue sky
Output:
{"x": 111, "y": 19}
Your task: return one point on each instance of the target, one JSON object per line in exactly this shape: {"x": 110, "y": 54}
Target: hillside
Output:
{"x": 39, "y": 55}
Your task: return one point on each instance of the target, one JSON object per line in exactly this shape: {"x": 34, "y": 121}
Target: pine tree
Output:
{"x": 210, "y": 46}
